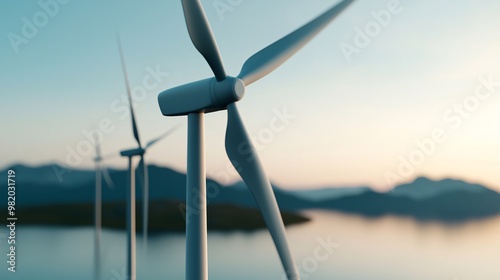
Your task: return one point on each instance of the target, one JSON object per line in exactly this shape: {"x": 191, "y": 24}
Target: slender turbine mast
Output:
{"x": 222, "y": 93}
{"x": 100, "y": 172}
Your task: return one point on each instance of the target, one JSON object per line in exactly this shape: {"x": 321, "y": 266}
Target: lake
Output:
{"x": 388, "y": 248}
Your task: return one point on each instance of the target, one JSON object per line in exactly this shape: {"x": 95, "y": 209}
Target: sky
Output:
{"x": 372, "y": 100}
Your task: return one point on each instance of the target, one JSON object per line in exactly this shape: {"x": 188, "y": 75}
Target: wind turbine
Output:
{"x": 100, "y": 172}
{"x": 143, "y": 172}
{"x": 221, "y": 93}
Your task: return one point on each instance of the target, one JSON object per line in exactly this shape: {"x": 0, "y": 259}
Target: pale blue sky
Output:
{"x": 352, "y": 119}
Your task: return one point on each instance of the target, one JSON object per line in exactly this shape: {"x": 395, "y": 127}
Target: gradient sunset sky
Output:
{"x": 354, "y": 120}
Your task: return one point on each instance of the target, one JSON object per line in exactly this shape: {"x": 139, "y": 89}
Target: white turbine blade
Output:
{"x": 107, "y": 177}
{"x": 273, "y": 56}
{"x": 202, "y": 37}
{"x": 244, "y": 158}
{"x": 127, "y": 84}
{"x": 161, "y": 137}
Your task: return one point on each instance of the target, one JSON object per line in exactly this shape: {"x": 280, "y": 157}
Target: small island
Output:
{"x": 163, "y": 216}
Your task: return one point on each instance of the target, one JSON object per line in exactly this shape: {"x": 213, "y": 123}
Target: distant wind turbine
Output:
{"x": 100, "y": 172}
{"x": 143, "y": 172}
{"x": 221, "y": 93}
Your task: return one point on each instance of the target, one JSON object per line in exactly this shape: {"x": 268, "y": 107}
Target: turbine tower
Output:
{"x": 221, "y": 93}
{"x": 100, "y": 172}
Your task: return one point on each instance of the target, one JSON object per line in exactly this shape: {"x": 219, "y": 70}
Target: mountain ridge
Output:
{"x": 447, "y": 200}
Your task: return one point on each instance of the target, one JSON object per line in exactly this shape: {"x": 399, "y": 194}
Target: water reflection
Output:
{"x": 388, "y": 248}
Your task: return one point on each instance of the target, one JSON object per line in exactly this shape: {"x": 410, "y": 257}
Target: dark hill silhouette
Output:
{"x": 423, "y": 188}
{"x": 424, "y": 199}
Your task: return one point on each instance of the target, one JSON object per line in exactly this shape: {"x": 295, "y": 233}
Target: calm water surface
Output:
{"x": 387, "y": 248}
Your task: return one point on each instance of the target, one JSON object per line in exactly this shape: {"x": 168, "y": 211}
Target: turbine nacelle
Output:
{"x": 133, "y": 152}
{"x": 207, "y": 96}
